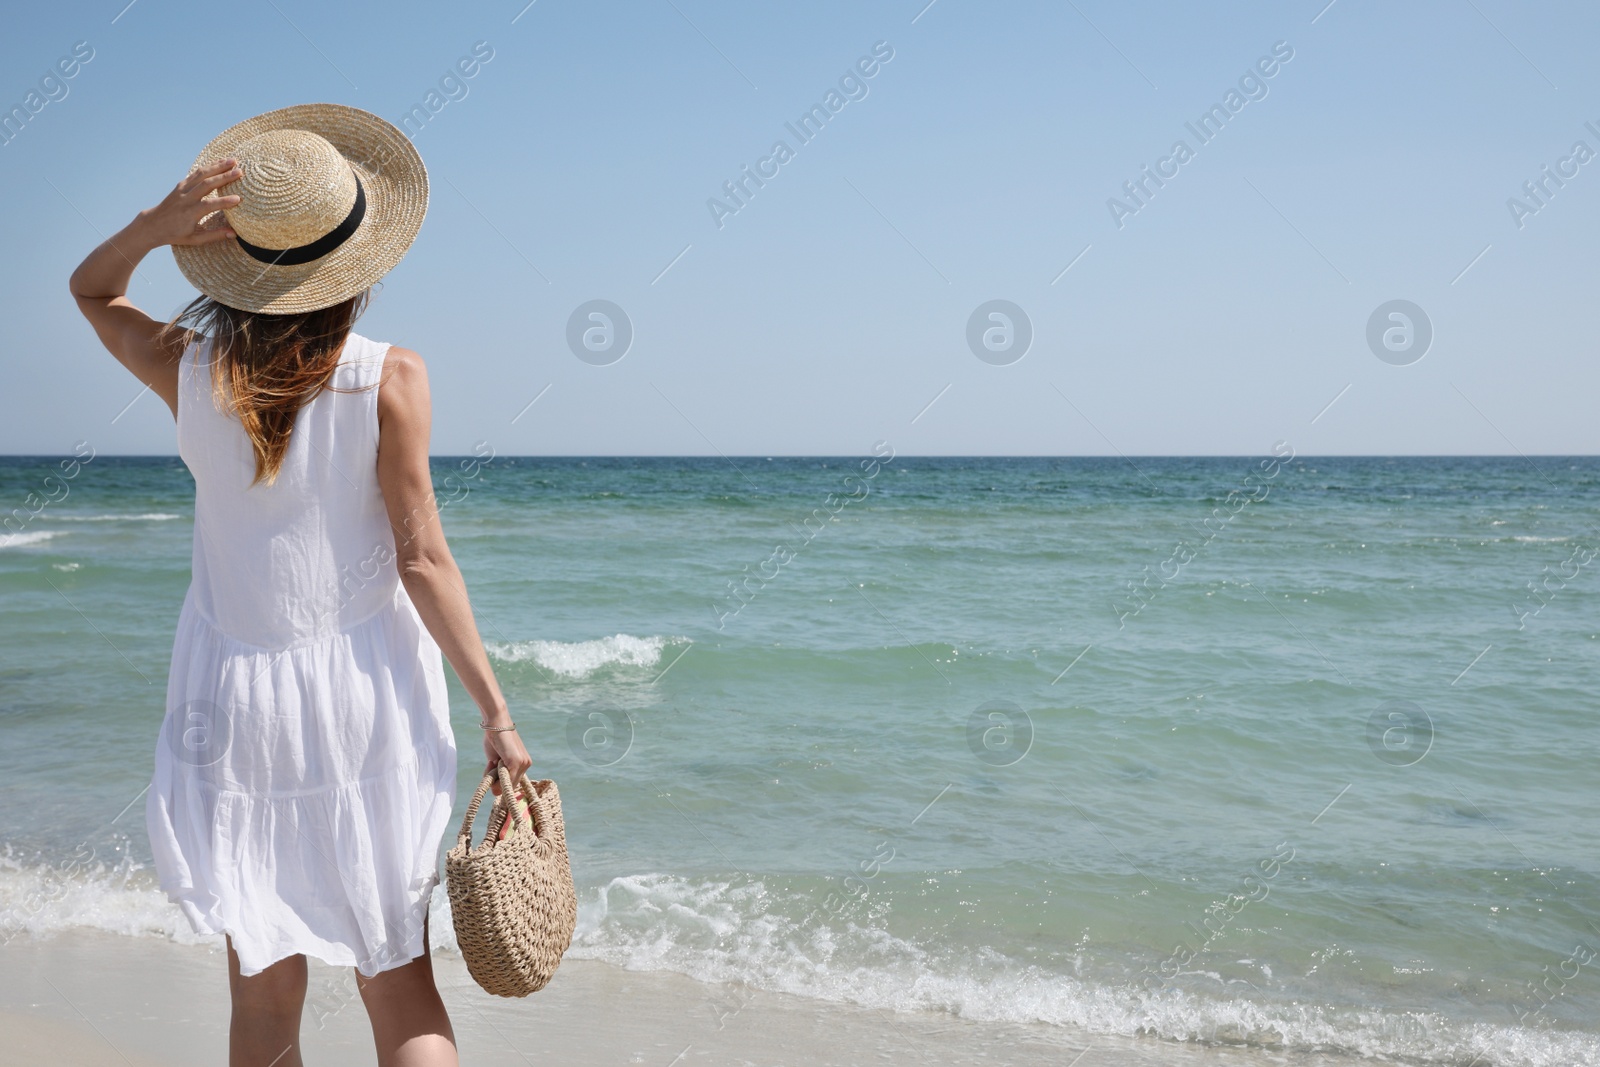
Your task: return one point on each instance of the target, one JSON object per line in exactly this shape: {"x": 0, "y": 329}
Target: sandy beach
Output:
{"x": 88, "y": 999}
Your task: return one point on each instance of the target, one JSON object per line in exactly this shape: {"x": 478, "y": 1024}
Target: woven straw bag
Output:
{"x": 512, "y": 899}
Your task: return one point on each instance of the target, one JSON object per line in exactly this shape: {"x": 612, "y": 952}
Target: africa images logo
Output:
{"x": 1252, "y": 85}
{"x": 852, "y": 86}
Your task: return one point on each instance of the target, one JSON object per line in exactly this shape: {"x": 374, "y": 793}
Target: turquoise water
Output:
{"x": 1323, "y": 777}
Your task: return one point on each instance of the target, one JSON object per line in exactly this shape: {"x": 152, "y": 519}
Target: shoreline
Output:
{"x": 89, "y": 998}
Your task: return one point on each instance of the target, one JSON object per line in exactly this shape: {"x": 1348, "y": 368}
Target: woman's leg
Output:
{"x": 265, "y": 1028}
{"x": 409, "y": 1023}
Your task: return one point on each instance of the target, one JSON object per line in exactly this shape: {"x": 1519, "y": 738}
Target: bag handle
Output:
{"x": 504, "y": 799}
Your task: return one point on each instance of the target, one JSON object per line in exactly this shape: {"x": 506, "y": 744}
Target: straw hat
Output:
{"x": 331, "y": 198}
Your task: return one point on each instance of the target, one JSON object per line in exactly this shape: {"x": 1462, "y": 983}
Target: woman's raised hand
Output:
{"x": 178, "y": 219}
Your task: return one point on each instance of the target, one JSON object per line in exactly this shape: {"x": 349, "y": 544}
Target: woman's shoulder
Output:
{"x": 363, "y": 363}
{"x": 403, "y": 366}
{"x": 398, "y": 355}
{"x": 402, "y": 395}
{"x": 404, "y": 383}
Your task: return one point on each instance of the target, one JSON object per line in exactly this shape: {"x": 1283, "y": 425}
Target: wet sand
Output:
{"x": 90, "y": 998}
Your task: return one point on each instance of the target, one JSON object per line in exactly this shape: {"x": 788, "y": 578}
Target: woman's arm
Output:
{"x": 428, "y": 571}
{"x": 100, "y": 283}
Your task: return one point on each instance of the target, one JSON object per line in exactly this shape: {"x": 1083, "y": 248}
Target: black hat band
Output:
{"x": 290, "y": 257}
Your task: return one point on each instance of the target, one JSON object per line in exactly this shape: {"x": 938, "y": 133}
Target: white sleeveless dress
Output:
{"x": 305, "y": 770}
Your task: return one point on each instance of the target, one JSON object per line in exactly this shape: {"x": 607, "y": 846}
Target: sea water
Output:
{"x": 1283, "y": 752}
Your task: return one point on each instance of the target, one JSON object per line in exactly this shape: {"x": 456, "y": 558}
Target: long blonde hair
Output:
{"x": 265, "y": 368}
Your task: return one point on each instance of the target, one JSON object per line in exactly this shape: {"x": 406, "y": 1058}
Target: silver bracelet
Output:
{"x": 497, "y": 729}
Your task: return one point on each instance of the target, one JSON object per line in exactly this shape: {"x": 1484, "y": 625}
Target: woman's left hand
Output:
{"x": 177, "y": 219}
{"x": 505, "y": 747}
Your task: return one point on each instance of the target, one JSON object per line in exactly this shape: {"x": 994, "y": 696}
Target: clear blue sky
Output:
{"x": 1221, "y": 316}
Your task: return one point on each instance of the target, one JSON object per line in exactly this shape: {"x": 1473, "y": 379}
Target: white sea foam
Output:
{"x": 578, "y": 659}
{"x": 726, "y": 932}
{"x": 24, "y": 540}
{"x": 84, "y": 892}
{"x": 147, "y": 516}
{"x": 722, "y": 932}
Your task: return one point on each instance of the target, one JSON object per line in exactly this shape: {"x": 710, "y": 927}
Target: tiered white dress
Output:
{"x": 305, "y": 770}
